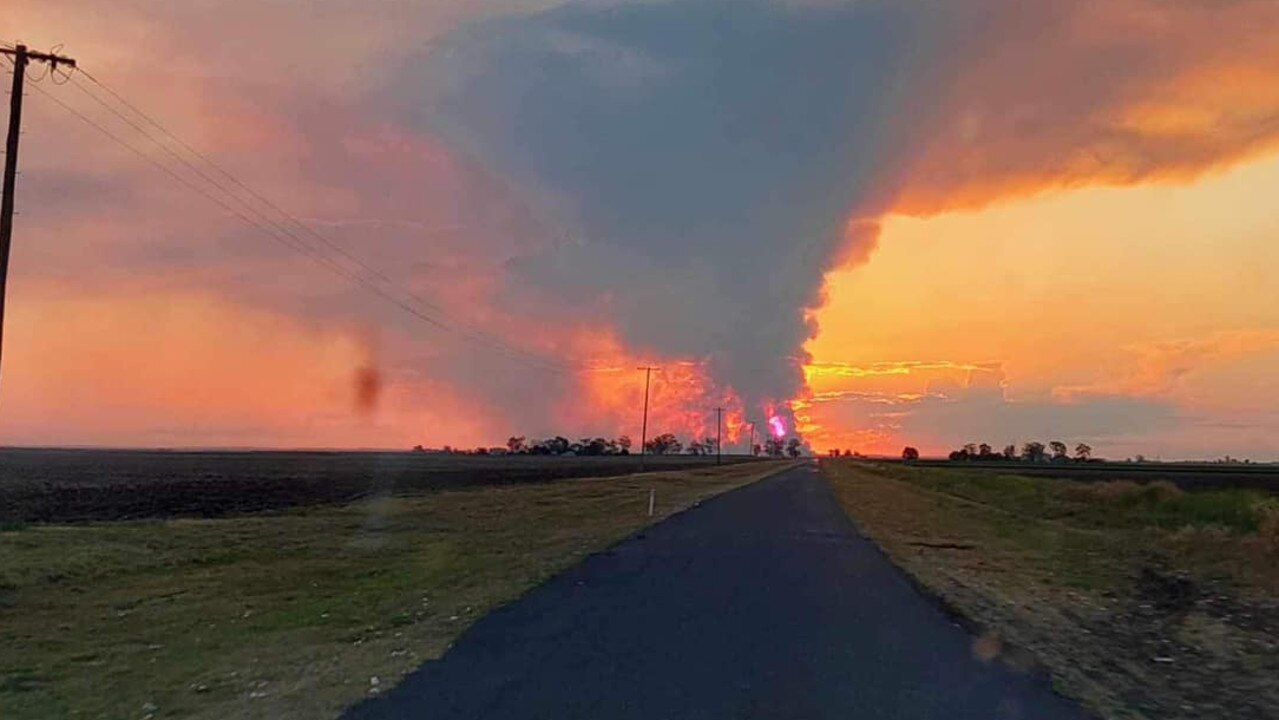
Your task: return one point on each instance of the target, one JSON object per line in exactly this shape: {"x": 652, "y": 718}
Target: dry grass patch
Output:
{"x": 291, "y": 615}
{"x": 1143, "y": 601}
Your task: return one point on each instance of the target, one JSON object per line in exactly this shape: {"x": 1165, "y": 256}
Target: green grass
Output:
{"x": 1104, "y": 504}
{"x": 292, "y": 614}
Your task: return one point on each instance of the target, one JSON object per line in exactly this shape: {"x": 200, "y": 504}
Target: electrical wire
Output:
{"x": 53, "y": 75}
{"x": 275, "y": 229}
{"x": 472, "y": 333}
{"x": 288, "y": 240}
{"x": 469, "y": 332}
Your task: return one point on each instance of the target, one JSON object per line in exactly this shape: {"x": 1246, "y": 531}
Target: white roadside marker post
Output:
{"x": 652, "y": 496}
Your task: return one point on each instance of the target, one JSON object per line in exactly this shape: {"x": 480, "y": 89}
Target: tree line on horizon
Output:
{"x": 1034, "y": 452}
{"x": 661, "y": 444}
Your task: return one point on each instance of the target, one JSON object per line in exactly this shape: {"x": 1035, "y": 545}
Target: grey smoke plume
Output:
{"x": 704, "y": 156}
{"x": 710, "y": 160}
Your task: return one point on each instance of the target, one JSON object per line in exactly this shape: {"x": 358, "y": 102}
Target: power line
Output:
{"x": 302, "y": 245}
{"x": 296, "y": 244}
{"x": 470, "y": 333}
{"x": 161, "y": 166}
{"x": 464, "y": 330}
{"x": 276, "y": 229}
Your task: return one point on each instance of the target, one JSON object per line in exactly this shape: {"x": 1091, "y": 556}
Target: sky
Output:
{"x": 886, "y": 223}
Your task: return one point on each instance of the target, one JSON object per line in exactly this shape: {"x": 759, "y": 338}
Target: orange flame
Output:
{"x": 682, "y": 395}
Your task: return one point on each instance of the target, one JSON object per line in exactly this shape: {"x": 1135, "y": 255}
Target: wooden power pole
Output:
{"x": 21, "y": 57}
{"x": 648, "y": 375}
{"x": 719, "y": 434}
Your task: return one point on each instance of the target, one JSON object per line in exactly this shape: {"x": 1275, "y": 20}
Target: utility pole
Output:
{"x": 21, "y": 56}
{"x": 719, "y": 425}
{"x": 648, "y": 375}
{"x": 750, "y": 449}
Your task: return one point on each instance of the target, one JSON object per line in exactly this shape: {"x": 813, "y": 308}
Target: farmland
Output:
{"x": 40, "y": 486}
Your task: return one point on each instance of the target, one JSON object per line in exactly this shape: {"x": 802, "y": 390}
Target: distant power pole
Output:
{"x": 648, "y": 374}
{"x": 21, "y": 56}
{"x": 719, "y": 425}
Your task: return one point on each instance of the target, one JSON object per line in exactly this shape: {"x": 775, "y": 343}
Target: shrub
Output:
{"x": 1163, "y": 504}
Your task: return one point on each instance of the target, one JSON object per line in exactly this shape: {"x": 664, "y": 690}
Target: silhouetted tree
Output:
{"x": 517, "y": 444}
{"x": 984, "y": 451}
{"x": 970, "y": 450}
{"x": 757, "y": 449}
{"x": 664, "y": 444}
{"x": 774, "y": 447}
{"x": 1032, "y": 452}
{"x": 794, "y": 447}
{"x": 695, "y": 448}
{"x": 1058, "y": 449}
{"x": 1010, "y": 452}
{"x": 910, "y": 454}
{"x": 551, "y": 446}
{"x": 1083, "y": 452}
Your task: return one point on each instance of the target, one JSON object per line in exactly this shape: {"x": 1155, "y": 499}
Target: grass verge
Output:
{"x": 295, "y": 614}
{"x": 1142, "y": 601}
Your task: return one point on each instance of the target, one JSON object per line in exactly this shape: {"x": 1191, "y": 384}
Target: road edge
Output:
{"x": 1016, "y": 657}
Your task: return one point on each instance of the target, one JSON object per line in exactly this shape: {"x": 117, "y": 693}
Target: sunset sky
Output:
{"x": 887, "y": 222}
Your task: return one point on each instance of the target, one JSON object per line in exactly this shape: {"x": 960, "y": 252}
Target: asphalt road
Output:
{"x": 762, "y": 603}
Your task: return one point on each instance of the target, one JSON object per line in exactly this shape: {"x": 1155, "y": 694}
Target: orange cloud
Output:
{"x": 839, "y": 369}
{"x": 1067, "y": 93}
{"x": 1159, "y": 368}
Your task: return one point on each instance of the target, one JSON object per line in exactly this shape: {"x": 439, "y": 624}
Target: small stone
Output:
{"x": 374, "y": 681}
{"x": 150, "y": 707}
{"x": 1161, "y": 659}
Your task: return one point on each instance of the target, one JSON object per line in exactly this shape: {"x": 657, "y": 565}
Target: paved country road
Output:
{"x": 762, "y": 603}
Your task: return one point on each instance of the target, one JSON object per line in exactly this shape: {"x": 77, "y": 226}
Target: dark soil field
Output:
{"x": 44, "y": 486}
